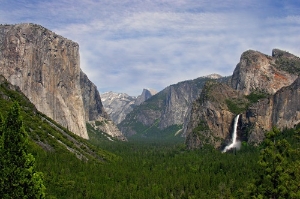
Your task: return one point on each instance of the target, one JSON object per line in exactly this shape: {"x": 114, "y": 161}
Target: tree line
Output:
{"x": 143, "y": 169}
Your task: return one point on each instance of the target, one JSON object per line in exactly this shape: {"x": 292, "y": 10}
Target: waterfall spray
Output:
{"x": 234, "y": 143}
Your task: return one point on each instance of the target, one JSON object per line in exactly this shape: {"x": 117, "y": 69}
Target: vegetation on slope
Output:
{"x": 239, "y": 105}
{"x": 49, "y": 142}
{"x": 287, "y": 62}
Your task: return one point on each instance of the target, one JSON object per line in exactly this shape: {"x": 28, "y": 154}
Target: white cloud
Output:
{"x": 131, "y": 44}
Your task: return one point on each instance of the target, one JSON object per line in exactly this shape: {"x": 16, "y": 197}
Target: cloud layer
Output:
{"x": 129, "y": 45}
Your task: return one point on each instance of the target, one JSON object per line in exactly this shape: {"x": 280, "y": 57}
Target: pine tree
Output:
{"x": 279, "y": 177}
{"x": 18, "y": 176}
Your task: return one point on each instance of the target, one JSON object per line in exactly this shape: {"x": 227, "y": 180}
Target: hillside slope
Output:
{"x": 45, "y": 132}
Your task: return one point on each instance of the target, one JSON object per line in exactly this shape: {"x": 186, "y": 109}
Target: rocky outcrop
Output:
{"x": 165, "y": 109}
{"x": 261, "y": 90}
{"x": 108, "y": 127}
{"x": 45, "y": 66}
{"x": 257, "y": 71}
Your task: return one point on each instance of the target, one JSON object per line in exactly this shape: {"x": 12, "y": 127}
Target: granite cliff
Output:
{"x": 164, "y": 112}
{"x": 46, "y": 68}
{"x": 263, "y": 90}
{"x": 281, "y": 110}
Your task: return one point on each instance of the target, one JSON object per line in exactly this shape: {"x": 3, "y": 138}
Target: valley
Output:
{"x": 179, "y": 142}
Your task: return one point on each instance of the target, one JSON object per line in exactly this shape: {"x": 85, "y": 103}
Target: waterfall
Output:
{"x": 234, "y": 143}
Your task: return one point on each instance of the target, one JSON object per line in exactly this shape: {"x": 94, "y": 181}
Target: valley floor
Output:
{"x": 150, "y": 170}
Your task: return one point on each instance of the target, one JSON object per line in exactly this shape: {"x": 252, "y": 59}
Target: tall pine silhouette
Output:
{"x": 18, "y": 176}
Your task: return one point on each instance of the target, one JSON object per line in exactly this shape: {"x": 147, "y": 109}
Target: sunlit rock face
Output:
{"x": 259, "y": 71}
{"x": 46, "y": 67}
{"x": 146, "y": 94}
{"x": 117, "y": 105}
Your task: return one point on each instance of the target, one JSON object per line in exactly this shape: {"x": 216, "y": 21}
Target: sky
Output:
{"x": 128, "y": 45}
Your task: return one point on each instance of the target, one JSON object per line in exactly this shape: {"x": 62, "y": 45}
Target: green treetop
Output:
{"x": 279, "y": 176}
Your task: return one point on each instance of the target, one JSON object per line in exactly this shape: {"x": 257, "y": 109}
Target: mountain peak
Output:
{"x": 146, "y": 94}
{"x": 213, "y": 76}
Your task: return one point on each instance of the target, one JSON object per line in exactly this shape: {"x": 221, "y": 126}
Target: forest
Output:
{"x": 158, "y": 169}
{"x": 154, "y": 168}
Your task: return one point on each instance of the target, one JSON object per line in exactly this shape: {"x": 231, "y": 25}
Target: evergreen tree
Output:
{"x": 279, "y": 175}
{"x": 18, "y": 176}
{"x": 1, "y": 155}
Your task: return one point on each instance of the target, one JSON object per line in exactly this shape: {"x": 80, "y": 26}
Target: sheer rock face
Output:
{"x": 259, "y": 71}
{"x": 211, "y": 120}
{"x": 94, "y": 110}
{"x": 281, "y": 109}
{"x": 91, "y": 99}
{"x": 45, "y": 66}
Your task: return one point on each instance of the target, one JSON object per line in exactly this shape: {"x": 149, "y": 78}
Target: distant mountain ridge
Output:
{"x": 118, "y": 105}
{"x": 164, "y": 112}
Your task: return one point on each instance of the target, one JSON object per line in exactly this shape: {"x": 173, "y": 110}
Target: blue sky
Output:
{"x": 128, "y": 45}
